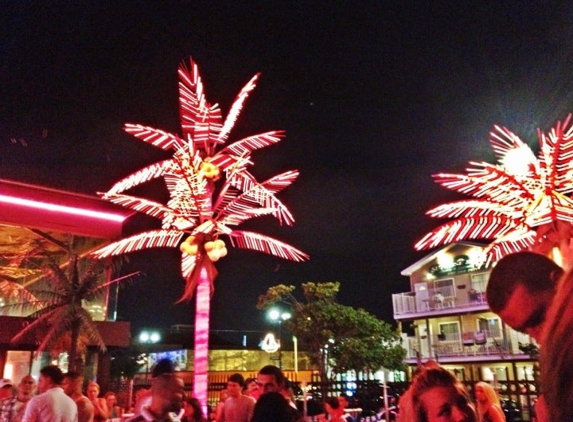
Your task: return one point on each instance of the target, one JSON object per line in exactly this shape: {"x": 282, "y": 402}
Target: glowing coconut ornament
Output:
{"x": 522, "y": 203}
{"x": 210, "y": 192}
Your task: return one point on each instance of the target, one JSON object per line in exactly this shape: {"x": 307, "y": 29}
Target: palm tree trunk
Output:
{"x": 201, "y": 346}
{"x": 72, "y": 357}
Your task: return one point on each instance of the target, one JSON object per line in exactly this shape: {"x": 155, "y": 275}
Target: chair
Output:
{"x": 438, "y": 301}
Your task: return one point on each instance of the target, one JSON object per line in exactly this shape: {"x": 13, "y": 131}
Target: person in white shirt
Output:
{"x": 52, "y": 405}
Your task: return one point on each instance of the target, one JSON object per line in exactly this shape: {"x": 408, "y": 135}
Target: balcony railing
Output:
{"x": 468, "y": 344}
{"x": 435, "y": 301}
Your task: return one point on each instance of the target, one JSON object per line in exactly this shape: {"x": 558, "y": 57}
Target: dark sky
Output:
{"x": 375, "y": 97}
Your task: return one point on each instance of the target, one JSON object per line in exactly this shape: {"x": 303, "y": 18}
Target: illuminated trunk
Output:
{"x": 201, "y": 347}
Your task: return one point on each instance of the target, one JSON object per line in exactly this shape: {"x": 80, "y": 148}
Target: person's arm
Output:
{"x": 251, "y": 407}
{"x": 85, "y": 411}
{"x": 30, "y": 412}
{"x": 100, "y": 407}
{"x": 220, "y": 412}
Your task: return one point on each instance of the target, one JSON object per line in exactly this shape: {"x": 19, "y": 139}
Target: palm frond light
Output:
{"x": 522, "y": 202}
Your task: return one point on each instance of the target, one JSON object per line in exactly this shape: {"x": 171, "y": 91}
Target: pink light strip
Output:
{"x": 62, "y": 208}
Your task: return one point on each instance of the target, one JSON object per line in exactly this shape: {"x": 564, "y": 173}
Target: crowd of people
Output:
{"x": 528, "y": 291}
{"x": 57, "y": 396}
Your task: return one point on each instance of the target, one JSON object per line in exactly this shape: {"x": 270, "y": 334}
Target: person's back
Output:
{"x": 52, "y": 405}
{"x": 238, "y": 409}
{"x": 72, "y": 385}
{"x": 272, "y": 407}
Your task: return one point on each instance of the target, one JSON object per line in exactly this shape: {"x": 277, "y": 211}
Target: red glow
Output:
{"x": 62, "y": 208}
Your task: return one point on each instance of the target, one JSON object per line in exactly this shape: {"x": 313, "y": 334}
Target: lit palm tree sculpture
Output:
{"x": 522, "y": 203}
{"x": 199, "y": 208}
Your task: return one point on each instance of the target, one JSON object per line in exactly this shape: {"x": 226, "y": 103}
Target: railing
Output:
{"x": 467, "y": 344}
{"x": 435, "y": 301}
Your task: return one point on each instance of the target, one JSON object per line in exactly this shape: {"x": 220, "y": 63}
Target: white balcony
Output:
{"x": 435, "y": 302}
{"x": 466, "y": 346}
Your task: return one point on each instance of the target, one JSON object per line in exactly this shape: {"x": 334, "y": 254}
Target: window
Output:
{"x": 445, "y": 287}
{"x": 17, "y": 364}
{"x": 491, "y": 326}
{"x": 449, "y": 331}
{"x": 479, "y": 281}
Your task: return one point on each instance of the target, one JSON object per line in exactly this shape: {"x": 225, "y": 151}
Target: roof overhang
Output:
{"x": 49, "y": 209}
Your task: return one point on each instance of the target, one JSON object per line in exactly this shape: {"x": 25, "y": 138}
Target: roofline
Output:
{"x": 421, "y": 262}
{"x": 44, "y": 208}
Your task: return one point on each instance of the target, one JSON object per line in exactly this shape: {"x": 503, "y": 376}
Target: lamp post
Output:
{"x": 148, "y": 337}
{"x": 279, "y": 316}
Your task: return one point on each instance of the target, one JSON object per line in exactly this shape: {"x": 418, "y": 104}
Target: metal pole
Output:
{"x": 295, "y": 343}
{"x": 280, "y": 344}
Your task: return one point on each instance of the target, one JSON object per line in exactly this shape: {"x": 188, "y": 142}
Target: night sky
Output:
{"x": 375, "y": 97}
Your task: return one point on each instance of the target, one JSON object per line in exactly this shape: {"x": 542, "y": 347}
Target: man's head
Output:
{"x": 163, "y": 366}
{"x": 270, "y": 379}
{"x": 72, "y": 382}
{"x": 26, "y": 386}
{"x": 50, "y": 376}
{"x": 6, "y": 388}
{"x": 235, "y": 385}
{"x": 520, "y": 288}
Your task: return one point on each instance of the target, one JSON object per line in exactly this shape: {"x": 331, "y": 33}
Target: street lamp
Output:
{"x": 149, "y": 337}
{"x": 279, "y": 316}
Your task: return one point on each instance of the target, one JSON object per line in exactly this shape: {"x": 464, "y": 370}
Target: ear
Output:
{"x": 555, "y": 275}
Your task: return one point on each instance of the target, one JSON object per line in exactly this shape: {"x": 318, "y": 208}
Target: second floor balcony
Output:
{"x": 467, "y": 346}
{"x": 437, "y": 301}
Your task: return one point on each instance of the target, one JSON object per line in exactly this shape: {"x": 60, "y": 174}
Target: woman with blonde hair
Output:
{"x": 488, "y": 404}
{"x": 101, "y": 412}
{"x": 436, "y": 395}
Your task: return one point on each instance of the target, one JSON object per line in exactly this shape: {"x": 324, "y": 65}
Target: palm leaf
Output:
{"x": 247, "y": 145}
{"x": 146, "y": 240}
{"x": 266, "y": 244}
{"x": 556, "y": 154}
{"x": 34, "y": 326}
{"x": 236, "y": 109}
{"x": 256, "y": 194}
{"x": 487, "y": 182}
{"x": 515, "y": 241}
{"x": 470, "y": 228}
{"x": 155, "y": 137}
{"x": 14, "y": 291}
{"x": 148, "y": 207}
{"x": 144, "y": 175}
{"x": 504, "y": 141}
{"x": 199, "y": 120}
{"x": 472, "y": 208}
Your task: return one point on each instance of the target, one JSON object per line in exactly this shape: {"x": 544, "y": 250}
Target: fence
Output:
{"x": 518, "y": 397}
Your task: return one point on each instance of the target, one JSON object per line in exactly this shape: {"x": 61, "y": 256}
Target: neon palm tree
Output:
{"x": 210, "y": 192}
{"x": 523, "y": 202}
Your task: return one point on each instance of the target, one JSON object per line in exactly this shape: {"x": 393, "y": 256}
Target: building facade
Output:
{"x": 445, "y": 317}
